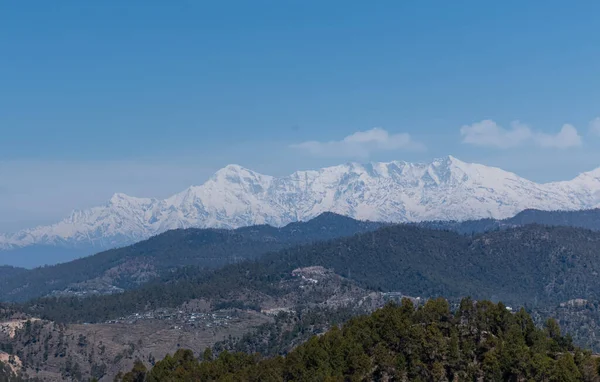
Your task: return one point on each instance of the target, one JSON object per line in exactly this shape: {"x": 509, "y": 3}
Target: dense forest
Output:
{"x": 533, "y": 265}
{"x": 479, "y": 341}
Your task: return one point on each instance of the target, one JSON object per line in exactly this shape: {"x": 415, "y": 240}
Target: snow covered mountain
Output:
{"x": 445, "y": 189}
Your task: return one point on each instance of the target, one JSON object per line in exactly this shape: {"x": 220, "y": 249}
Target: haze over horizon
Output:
{"x": 150, "y": 98}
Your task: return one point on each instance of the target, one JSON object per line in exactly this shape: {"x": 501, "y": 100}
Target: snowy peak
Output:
{"x": 593, "y": 175}
{"x": 444, "y": 189}
{"x": 233, "y": 173}
{"x": 120, "y": 199}
{"x": 451, "y": 168}
{"x": 239, "y": 178}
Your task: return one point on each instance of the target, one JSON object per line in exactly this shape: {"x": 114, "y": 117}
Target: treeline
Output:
{"x": 480, "y": 341}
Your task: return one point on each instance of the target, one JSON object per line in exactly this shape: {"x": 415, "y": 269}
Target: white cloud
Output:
{"x": 595, "y": 126}
{"x": 488, "y": 133}
{"x": 361, "y": 144}
{"x": 566, "y": 137}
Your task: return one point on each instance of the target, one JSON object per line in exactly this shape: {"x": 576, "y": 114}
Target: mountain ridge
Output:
{"x": 128, "y": 267}
{"x": 532, "y": 265}
{"x": 397, "y": 191}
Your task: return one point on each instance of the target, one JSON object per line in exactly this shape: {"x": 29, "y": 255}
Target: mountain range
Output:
{"x": 445, "y": 189}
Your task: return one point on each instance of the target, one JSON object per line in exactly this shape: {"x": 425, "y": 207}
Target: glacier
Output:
{"x": 444, "y": 189}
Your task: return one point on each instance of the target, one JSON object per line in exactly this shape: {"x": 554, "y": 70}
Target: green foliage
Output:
{"x": 480, "y": 341}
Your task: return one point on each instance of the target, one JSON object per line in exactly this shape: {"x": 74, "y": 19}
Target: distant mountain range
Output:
{"x": 445, "y": 189}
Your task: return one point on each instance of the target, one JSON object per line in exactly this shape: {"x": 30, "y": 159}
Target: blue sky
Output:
{"x": 149, "y": 97}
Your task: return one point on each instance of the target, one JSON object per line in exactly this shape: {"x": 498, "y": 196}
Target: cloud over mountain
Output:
{"x": 488, "y": 133}
{"x": 361, "y": 144}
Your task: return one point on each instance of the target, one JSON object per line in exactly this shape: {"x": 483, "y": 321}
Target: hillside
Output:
{"x": 535, "y": 265}
{"x": 480, "y": 341}
{"x": 578, "y": 317}
{"x": 124, "y": 268}
{"x": 8, "y": 271}
{"x": 7, "y": 374}
{"x": 589, "y": 219}
{"x": 312, "y": 299}
{"x": 532, "y": 264}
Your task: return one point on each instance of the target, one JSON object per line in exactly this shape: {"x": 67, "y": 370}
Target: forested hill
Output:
{"x": 480, "y": 341}
{"x": 532, "y": 264}
{"x": 535, "y": 265}
{"x": 130, "y": 266}
{"x": 589, "y": 219}
{"x": 8, "y": 271}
